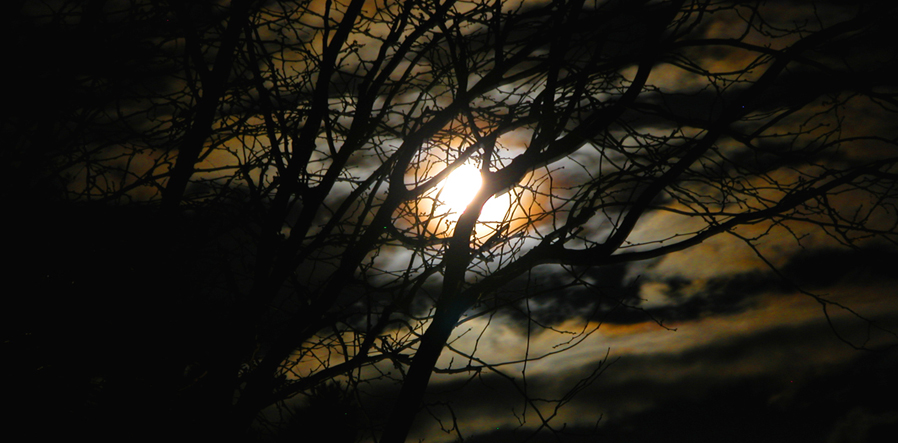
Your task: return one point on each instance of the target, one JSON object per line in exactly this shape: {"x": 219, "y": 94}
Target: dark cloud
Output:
{"x": 810, "y": 269}
{"x": 555, "y": 296}
{"x": 811, "y": 407}
{"x": 821, "y": 268}
{"x": 615, "y": 299}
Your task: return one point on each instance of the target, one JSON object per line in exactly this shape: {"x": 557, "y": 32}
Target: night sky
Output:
{"x": 791, "y": 338}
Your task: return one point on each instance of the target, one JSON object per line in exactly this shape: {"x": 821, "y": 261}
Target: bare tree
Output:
{"x": 324, "y": 132}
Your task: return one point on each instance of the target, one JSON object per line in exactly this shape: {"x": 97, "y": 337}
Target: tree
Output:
{"x": 293, "y": 159}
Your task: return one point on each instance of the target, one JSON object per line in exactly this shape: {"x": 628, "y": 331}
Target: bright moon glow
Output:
{"x": 460, "y": 188}
{"x": 455, "y": 193}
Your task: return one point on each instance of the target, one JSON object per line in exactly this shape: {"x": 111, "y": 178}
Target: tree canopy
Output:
{"x": 279, "y": 199}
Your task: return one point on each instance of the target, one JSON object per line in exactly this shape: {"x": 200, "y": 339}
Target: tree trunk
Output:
{"x": 415, "y": 384}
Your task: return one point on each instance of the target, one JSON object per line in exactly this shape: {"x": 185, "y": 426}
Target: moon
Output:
{"x": 460, "y": 188}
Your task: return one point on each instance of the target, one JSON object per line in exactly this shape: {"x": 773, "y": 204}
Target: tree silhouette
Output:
{"x": 284, "y": 162}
